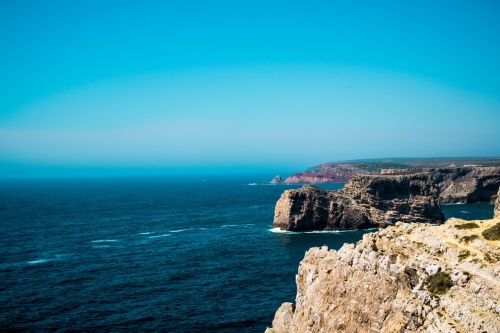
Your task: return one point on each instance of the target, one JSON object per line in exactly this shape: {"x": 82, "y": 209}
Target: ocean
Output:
{"x": 146, "y": 254}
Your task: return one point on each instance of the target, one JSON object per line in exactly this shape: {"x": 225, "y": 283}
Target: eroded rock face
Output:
{"x": 366, "y": 201}
{"x": 466, "y": 184}
{"x": 459, "y": 185}
{"x": 384, "y": 283}
{"x": 311, "y": 208}
{"x": 407, "y": 195}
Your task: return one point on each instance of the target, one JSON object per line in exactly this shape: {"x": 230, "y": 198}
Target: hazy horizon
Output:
{"x": 164, "y": 88}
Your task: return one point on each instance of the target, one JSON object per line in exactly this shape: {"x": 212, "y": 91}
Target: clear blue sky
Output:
{"x": 166, "y": 86}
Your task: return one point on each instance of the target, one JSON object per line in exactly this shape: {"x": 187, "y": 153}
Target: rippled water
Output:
{"x": 148, "y": 255}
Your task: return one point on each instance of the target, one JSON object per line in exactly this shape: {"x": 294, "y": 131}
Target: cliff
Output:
{"x": 344, "y": 171}
{"x": 316, "y": 178}
{"x": 366, "y": 201}
{"x": 405, "y": 278}
{"x": 466, "y": 184}
{"x": 459, "y": 185}
{"x": 311, "y": 208}
{"x": 406, "y": 195}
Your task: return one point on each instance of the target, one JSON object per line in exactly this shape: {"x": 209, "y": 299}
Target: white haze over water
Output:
{"x": 291, "y": 117}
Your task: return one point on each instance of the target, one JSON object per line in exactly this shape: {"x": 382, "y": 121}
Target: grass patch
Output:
{"x": 488, "y": 258}
{"x": 492, "y": 233}
{"x": 463, "y": 254}
{"x": 468, "y": 239}
{"x": 469, "y": 225}
{"x": 439, "y": 283}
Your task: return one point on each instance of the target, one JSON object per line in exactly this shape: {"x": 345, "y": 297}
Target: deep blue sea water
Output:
{"x": 171, "y": 255}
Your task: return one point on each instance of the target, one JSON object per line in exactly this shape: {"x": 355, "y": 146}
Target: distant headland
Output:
{"x": 343, "y": 171}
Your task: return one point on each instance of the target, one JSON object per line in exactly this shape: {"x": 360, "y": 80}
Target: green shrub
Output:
{"x": 463, "y": 254}
{"x": 469, "y": 225}
{"x": 468, "y": 239}
{"x": 492, "y": 233}
{"x": 439, "y": 283}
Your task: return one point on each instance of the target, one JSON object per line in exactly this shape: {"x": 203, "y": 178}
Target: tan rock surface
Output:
{"x": 382, "y": 283}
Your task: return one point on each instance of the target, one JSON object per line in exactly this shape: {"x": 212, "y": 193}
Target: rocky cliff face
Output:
{"x": 467, "y": 184}
{"x": 406, "y": 195}
{"x": 311, "y": 208}
{"x": 314, "y": 178}
{"x": 405, "y": 278}
{"x": 458, "y": 185}
{"x": 344, "y": 171}
{"x": 366, "y": 201}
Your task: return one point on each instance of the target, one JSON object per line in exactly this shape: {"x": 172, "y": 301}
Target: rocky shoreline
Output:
{"x": 406, "y": 195}
{"x": 405, "y": 278}
{"x": 408, "y": 277}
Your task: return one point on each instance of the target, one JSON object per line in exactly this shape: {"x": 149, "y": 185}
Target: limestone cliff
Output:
{"x": 405, "y": 278}
{"x": 407, "y": 195}
{"x": 366, "y": 201}
{"x": 311, "y": 208}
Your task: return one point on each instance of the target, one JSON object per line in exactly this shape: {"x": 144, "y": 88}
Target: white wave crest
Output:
{"x": 158, "y": 236}
{"x": 38, "y": 261}
{"x": 180, "y": 230}
{"x": 105, "y": 241}
{"x": 280, "y": 231}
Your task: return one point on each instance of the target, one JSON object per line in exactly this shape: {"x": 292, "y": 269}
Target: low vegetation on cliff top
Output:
{"x": 470, "y": 225}
{"x": 492, "y": 233}
{"x": 439, "y": 283}
{"x": 469, "y": 238}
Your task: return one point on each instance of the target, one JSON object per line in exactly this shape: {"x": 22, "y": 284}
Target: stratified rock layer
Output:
{"x": 407, "y": 195}
{"x": 366, "y": 201}
{"x": 467, "y": 184}
{"x": 385, "y": 283}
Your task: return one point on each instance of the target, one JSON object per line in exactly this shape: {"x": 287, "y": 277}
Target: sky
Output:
{"x": 153, "y": 87}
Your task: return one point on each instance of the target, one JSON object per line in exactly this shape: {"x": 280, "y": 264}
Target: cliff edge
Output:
{"x": 405, "y": 278}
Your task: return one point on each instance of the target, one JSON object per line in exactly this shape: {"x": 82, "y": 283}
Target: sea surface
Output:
{"x": 172, "y": 255}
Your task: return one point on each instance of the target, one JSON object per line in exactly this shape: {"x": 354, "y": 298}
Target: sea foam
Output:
{"x": 104, "y": 241}
{"x": 280, "y": 231}
{"x": 158, "y": 236}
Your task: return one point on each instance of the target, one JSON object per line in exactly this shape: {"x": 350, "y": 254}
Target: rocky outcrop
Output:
{"x": 276, "y": 180}
{"x": 407, "y": 195}
{"x": 366, "y": 201}
{"x": 311, "y": 208}
{"x": 405, "y": 278}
